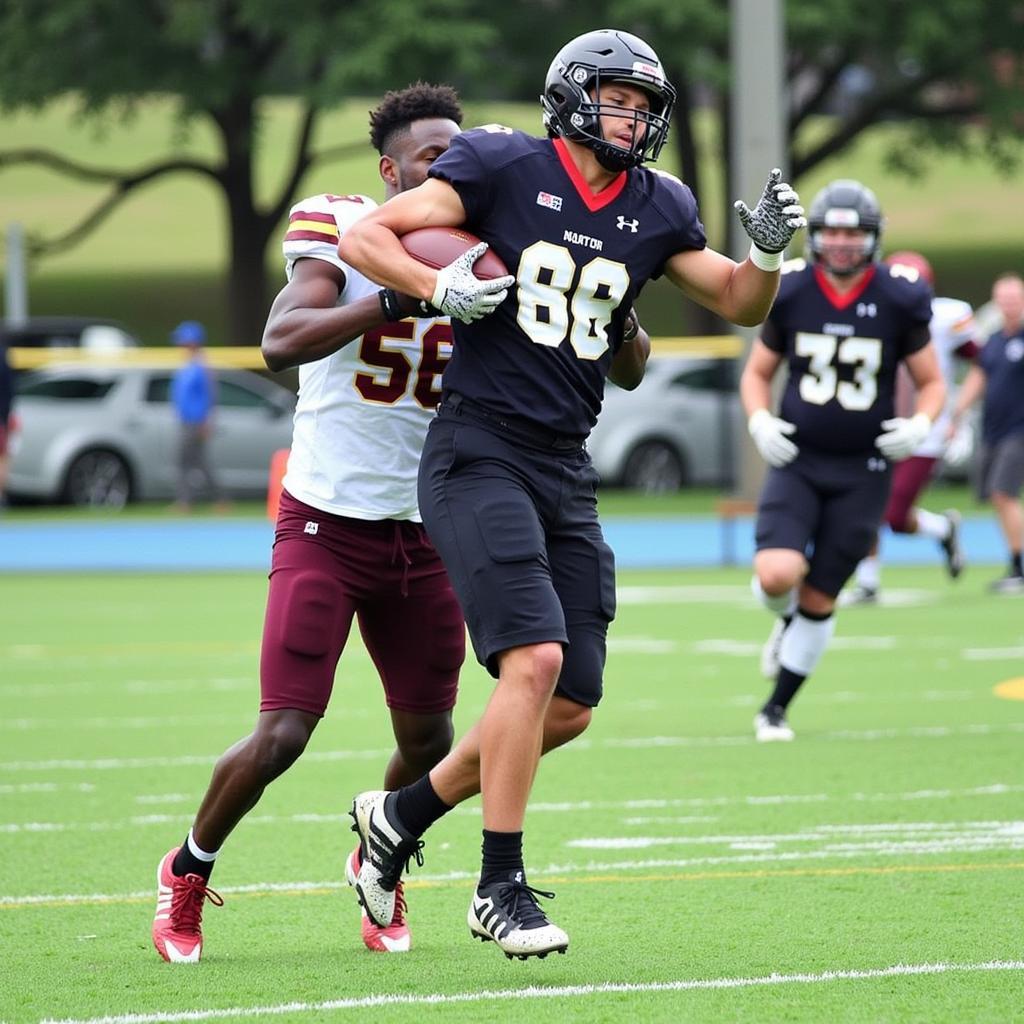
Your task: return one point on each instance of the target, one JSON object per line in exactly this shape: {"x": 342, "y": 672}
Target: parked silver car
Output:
{"x": 107, "y": 435}
{"x": 677, "y": 428}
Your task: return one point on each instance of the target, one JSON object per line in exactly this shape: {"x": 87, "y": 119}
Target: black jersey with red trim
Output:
{"x": 579, "y": 260}
{"x": 843, "y": 351}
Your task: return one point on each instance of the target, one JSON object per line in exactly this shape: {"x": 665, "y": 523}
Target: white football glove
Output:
{"x": 777, "y": 216}
{"x": 903, "y": 436}
{"x": 461, "y": 295}
{"x": 769, "y": 434}
{"x": 960, "y": 447}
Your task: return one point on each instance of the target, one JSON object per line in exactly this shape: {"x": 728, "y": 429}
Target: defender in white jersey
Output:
{"x": 952, "y": 330}
{"x": 349, "y": 543}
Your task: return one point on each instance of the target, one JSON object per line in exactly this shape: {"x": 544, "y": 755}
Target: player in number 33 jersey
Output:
{"x": 842, "y": 323}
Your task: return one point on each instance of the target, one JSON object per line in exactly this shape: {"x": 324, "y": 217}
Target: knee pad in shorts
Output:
{"x": 310, "y": 614}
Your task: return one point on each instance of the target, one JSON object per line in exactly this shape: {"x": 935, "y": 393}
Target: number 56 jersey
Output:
{"x": 843, "y": 351}
{"x": 363, "y": 411}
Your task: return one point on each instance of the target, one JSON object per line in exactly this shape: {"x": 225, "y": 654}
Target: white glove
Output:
{"x": 461, "y": 295}
{"x": 960, "y": 447}
{"x": 778, "y": 214}
{"x": 769, "y": 434}
{"x": 903, "y": 436}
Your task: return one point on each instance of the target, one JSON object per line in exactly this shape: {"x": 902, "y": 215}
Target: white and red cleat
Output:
{"x": 393, "y": 939}
{"x": 177, "y": 934}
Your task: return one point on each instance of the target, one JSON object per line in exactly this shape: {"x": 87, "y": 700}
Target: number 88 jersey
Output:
{"x": 579, "y": 259}
{"x": 843, "y": 351}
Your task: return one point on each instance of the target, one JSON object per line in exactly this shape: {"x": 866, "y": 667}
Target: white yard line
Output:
{"x": 506, "y": 996}
{"x": 773, "y": 860}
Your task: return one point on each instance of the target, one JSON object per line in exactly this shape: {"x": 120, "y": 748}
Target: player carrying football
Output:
{"x": 842, "y": 323}
{"x": 506, "y": 488}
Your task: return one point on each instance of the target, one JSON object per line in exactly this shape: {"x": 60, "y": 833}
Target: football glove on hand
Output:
{"x": 777, "y": 216}
{"x": 461, "y": 295}
{"x": 769, "y": 434}
{"x": 960, "y": 447}
{"x": 902, "y": 436}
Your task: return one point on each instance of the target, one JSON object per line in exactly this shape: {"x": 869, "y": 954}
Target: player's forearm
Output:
{"x": 970, "y": 391}
{"x": 755, "y": 392}
{"x": 750, "y": 294}
{"x": 630, "y": 362}
{"x": 931, "y": 399}
{"x": 303, "y": 335}
{"x": 375, "y": 251}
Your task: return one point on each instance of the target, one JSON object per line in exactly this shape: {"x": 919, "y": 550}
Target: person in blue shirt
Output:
{"x": 998, "y": 374}
{"x": 194, "y": 396}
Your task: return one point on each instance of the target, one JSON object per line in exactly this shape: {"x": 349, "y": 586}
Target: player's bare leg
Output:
{"x": 798, "y": 639}
{"x": 239, "y": 779}
{"x": 1011, "y": 521}
{"x": 421, "y": 741}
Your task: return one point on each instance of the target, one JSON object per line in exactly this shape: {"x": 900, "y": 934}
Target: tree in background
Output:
{"x": 951, "y": 70}
{"x": 219, "y": 58}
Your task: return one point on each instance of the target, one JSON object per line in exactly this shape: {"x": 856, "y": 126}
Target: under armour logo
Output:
{"x": 311, "y": 527}
{"x": 622, "y": 224}
{"x": 876, "y": 465}
{"x": 519, "y": 876}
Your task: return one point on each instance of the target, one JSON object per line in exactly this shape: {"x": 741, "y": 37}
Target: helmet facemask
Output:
{"x": 572, "y": 110}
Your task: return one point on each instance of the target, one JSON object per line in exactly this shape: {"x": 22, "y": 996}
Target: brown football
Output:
{"x": 437, "y": 247}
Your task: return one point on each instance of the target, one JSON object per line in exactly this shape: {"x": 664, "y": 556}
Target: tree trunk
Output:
{"x": 698, "y": 319}
{"x": 249, "y": 228}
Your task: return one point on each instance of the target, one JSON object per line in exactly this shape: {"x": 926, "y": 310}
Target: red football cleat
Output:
{"x": 396, "y": 937}
{"x": 179, "y": 912}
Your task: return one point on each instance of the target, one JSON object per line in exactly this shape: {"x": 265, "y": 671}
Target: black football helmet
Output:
{"x": 844, "y": 203}
{"x": 570, "y": 94}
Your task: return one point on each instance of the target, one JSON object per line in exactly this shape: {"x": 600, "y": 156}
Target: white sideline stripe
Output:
{"x": 751, "y": 649}
{"x": 639, "y": 742}
{"x": 601, "y": 867}
{"x": 552, "y": 992}
{"x": 992, "y": 653}
{"x": 186, "y": 760}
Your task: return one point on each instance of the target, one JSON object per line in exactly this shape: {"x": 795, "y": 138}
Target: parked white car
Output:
{"x": 107, "y": 435}
{"x": 677, "y": 428}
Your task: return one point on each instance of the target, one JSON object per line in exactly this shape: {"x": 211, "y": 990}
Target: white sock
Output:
{"x": 932, "y": 524}
{"x": 781, "y": 604}
{"x": 804, "y": 643}
{"x": 869, "y": 572}
{"x": 198, "y": 852}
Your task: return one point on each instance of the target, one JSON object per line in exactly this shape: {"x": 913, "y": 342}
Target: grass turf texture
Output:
{"x": 889, "y": 833}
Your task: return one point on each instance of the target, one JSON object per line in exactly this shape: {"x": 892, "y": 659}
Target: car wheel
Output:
{"x": 654, "y": 467}
{"x": 99, "y": 479}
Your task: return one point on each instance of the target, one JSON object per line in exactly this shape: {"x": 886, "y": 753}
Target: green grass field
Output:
{"x": 870, "y": 871}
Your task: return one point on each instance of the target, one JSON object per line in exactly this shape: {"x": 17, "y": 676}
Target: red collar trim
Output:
{"x": 844, "y": 299}
{"x": 593, "y": 201}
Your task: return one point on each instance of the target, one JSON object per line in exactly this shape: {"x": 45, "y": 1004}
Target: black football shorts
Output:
{"x": 516, "y": 526}
{"x": 827, "y": 506}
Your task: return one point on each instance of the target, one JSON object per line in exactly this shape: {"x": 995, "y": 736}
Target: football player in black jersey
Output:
{"x": 842, "y": 323}
{"x": 507, "y": 490}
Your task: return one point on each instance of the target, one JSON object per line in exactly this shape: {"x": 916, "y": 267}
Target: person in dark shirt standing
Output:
{"x": 998, "y": 374}
{"x": 507, "y": 490}
{"x": 842, "y": 323}
{"x": 194, "y": 395}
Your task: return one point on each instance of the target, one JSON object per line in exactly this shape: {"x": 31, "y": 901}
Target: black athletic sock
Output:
{"x": 186, "y": 863}
{"x": 417, "y": 806}
{"x": 1016, "y": 566}
{"x": 786, "y": 685}
{"x": 503, "y": 855}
